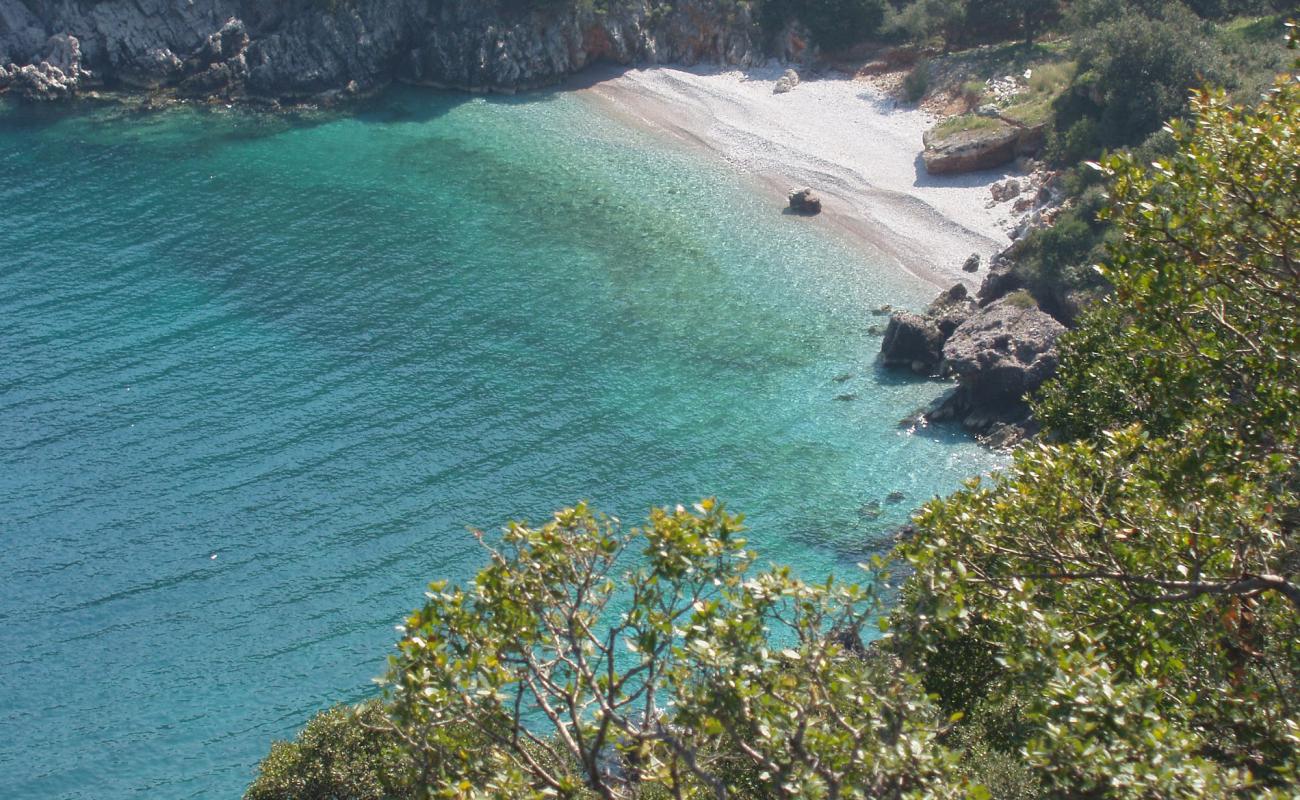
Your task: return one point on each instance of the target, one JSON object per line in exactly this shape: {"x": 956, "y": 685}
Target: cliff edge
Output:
{"x": 313, "y": 50}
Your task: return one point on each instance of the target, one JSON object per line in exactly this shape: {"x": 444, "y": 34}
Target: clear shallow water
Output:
{"x": 319, "y": 348}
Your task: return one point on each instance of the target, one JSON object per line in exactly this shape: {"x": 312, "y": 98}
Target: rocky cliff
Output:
{"x": 320, "y": 49}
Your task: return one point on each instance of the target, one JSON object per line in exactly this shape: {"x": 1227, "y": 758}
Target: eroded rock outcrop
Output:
{"x": 951, "y": 308}
{"x": 990, "y": 141}
{"x": 916, "y": 341}
{"x": 999, "y": 356}
{"x": 990, "y": 145}
{"x": 306, "y": 50}
{"x": 1003, "y": 352}
{"x": 56, "y": 76}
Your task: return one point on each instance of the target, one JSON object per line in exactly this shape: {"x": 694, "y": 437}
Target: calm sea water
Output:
{"x": 258, "y": 374}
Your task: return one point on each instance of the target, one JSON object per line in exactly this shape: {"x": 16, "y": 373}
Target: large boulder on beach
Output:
{"x": 986, "y": 144}
{"x": 786, "y": 82}
{"x": 1003, "y": 352}
{"x": 805, "y": 201}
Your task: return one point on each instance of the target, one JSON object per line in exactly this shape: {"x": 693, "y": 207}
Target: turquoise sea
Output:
{"x": 258, "y": 373}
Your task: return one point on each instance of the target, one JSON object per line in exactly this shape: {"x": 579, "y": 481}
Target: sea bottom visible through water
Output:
{"x": 260, "y": 372}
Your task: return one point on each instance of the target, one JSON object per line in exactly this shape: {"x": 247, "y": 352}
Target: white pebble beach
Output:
{"x": 845, "y": 138}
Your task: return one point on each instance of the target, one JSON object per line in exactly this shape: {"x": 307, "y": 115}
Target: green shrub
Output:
{"x": 834, "y": 24}
{"x": 917, "y": 81}
{"x": 1135, "y": 73}
{"x": 923, "y": 21}
{"x": 1021, "y": 299}
{"x": 1076, "y": 143}
{"x": 1056, "y": 261}
{"x": 344, "y": 752}
{"x": 964, "y": 123}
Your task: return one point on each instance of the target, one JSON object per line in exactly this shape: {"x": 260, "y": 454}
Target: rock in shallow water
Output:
{"x": 913, "y": 341}
{"x": 1003, "y": 352}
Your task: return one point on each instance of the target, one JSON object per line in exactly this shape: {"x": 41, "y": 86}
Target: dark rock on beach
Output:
{"x": 805, "y": 201}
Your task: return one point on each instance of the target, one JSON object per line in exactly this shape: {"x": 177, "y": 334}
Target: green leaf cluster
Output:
{"x": 344, "y": 752}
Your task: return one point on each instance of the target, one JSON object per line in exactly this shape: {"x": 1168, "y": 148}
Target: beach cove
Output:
{"x": 849, "y": 140}
{"x": 264, "y": 369}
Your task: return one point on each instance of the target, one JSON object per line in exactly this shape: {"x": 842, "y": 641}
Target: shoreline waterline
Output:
{"x": 843, "y": 137}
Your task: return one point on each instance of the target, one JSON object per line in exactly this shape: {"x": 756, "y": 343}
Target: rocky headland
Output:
{"x": 999, "y": 346}
{"x": 317, "y": 50}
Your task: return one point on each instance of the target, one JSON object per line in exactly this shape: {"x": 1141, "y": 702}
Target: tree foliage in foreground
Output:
{"x": 1139, "y": 586}
{"x": 717, "y": 681}
{"x": 345, "y": 753}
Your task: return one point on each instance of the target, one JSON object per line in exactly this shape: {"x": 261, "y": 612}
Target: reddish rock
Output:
{"x": 970, "y": 151}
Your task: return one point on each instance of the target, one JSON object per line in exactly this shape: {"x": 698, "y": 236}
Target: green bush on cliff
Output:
{"x": 833, "y": 23}
{"x": 345, "y": 752}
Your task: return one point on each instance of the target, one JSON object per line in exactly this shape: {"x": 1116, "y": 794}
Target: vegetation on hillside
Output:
{"x": 1117, "y": 615}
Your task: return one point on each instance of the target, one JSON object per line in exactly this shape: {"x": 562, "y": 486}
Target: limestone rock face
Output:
{"x": 970, "y": 151}
{"x": 912, "y": 340}
{"x": 57, "y": 76}
{"x": 1001, "y": 353}
{"x": 303, "y": 50}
